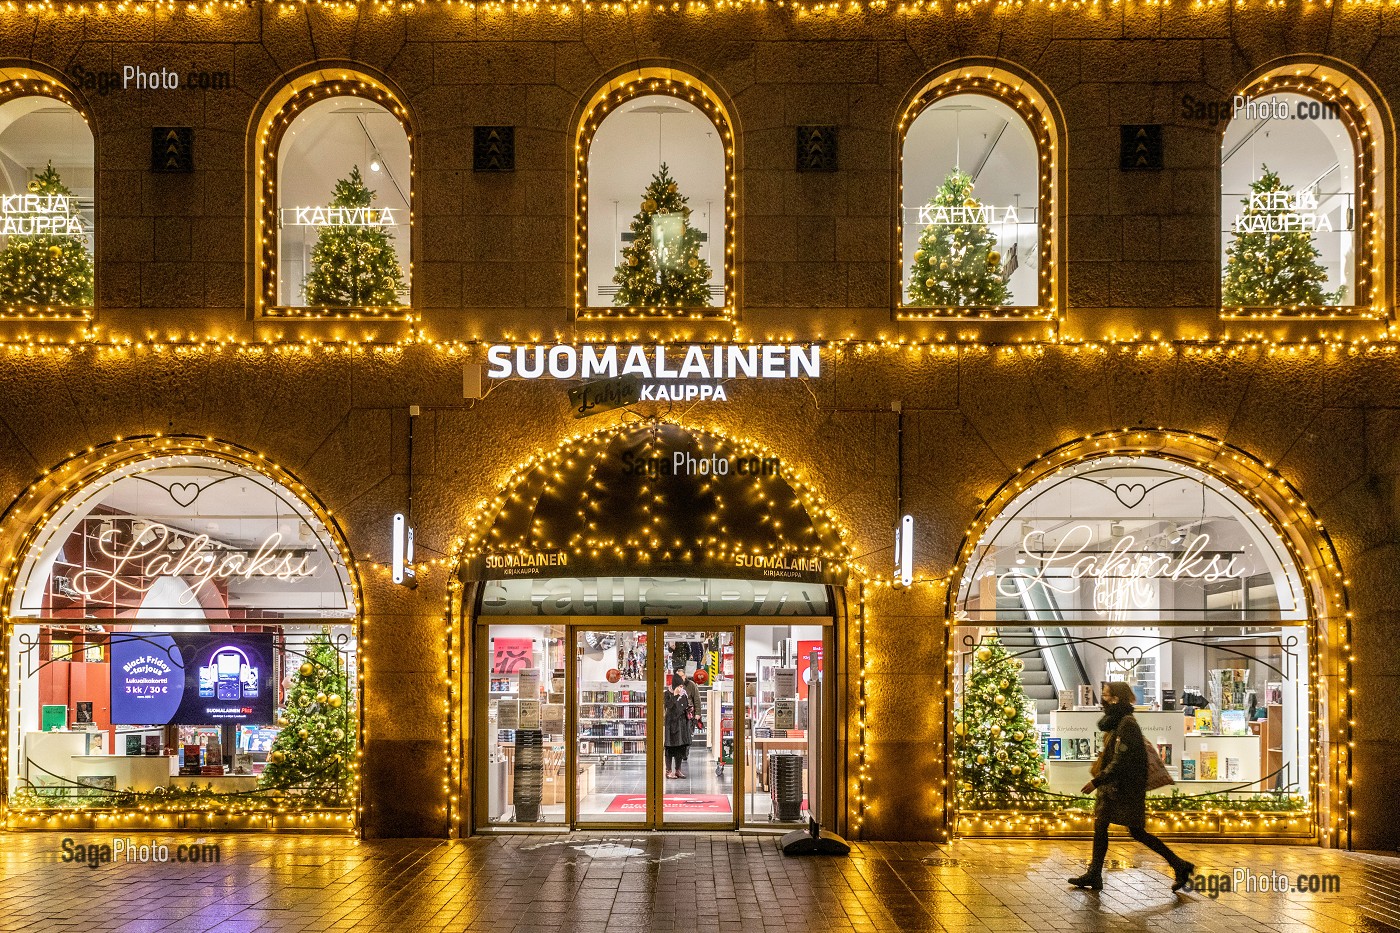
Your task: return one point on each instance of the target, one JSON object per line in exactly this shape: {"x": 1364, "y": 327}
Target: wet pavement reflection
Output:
{"x": 691, "y": 882}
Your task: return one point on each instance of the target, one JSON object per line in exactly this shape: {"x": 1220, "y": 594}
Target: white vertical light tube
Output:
{"x": 402, "y": 537}
{"x": 904, "y": 550}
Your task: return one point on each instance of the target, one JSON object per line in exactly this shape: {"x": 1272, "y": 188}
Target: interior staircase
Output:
{"x": 1034, "y": 677}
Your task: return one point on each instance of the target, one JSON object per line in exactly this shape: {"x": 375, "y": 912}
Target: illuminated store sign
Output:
{"x": 39, "y": 215}
{"x": 694, "y": 372}
{"x": 654, "y": 362}
{"x": 1282, "y": 212}
{"x": 338, "y": 217}
{"x": 967, "y": 216}
{"x": 1123, "y": 576}
{"x": 159, "y": 551}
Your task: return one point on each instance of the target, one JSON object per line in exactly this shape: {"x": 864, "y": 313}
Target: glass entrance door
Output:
{"x": 656, "y": 730}
{"x": 695, "y": 709}
{"x": 613, "y": 684}
{"x": 615, "y": 723}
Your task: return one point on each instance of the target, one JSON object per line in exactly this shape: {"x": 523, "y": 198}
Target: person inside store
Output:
{"x": 696, "y": 724}
{"x": 1119, "y": 780}
{"x": 678, "y": 728}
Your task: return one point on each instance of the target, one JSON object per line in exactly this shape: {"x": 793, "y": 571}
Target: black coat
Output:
{"x": 1122, "y": 779}
{"x": 678, "y": 730}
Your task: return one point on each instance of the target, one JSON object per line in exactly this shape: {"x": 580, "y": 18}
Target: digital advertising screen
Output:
{"x": 192, "y": 678}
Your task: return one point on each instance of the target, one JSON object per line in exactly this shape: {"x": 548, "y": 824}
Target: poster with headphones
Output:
{"x": 192, "y": 678}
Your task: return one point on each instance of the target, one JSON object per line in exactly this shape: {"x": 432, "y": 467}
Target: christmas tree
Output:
{"x": 354, "y": 265}
{"x": 662, "y": 267}
{"x": 1266, "y": 267}
{"x": 956, "y": 264}
{"x": 996, "y": 748}
{"x": 312, "y": 754}
{"x": 49, "y": 269}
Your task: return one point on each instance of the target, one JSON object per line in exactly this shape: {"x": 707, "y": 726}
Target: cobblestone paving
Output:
{"x": 697, "y": 883}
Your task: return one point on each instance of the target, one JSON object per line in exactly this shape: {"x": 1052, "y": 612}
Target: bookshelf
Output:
{"x": 1271, "y": 744}
{"x": 612, "y": 722}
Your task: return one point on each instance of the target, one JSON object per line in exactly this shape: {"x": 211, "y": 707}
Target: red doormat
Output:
{"x": 674, "y": 803}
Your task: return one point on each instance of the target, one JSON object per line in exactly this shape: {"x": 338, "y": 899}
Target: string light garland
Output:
{"x": 557, "y": 502}
{"x": 1011, "y": 90}
{"x": 1297, "y": 526}
{"x": 862, "y": 779}
{"x": 21, "y": 527}
{"x": 93, "y": 343}
{"x": 1358, "y": 116}
{"x": 797, "y": 8}
{"x": 608, "y": 100}
{"x": 27, "y": 82}
{"x": 277, "y": 120}
{"x": 534, "y": 477}
{"x": 457, "y": 702}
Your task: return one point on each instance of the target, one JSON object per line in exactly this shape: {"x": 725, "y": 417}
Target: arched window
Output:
{"x": 655, "y": 200}
{"x": 977, "y": 185}
{"x": 1145, "y": 569}
{"x": 185, "y": 609}
{"x": 1297, "y": 197}
{"x": 336, "y": 186}
{"x": 46, "y": 200}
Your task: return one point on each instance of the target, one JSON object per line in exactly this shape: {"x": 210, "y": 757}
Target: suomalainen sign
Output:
{"x": 528, "y": 563}
{"x": 668, "y": 373}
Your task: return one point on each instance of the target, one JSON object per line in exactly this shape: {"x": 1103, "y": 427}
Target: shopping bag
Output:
{"x": 1157, "y": 773}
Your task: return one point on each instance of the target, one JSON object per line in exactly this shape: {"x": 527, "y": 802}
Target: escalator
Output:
{"x": 1052, "y": 662}
{"x": 1035, "y": 677}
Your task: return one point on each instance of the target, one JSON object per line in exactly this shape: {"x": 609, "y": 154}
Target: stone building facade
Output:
{"x": 926, "y": 414}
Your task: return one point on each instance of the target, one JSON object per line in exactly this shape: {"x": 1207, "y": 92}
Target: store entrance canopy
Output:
{"x": 657, "y": 499}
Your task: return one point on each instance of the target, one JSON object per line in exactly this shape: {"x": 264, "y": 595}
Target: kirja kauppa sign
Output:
{"x": 680, "y": 373}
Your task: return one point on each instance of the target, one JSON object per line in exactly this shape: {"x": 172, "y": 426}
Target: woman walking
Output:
{"x": 678, "y": 729}
{"x": 1120, "y": 778}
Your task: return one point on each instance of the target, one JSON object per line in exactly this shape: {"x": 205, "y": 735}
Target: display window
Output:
{"x": 1294, "y": 209}
{"x": 976, "y": 191}
{"x": 182, "y": 638}
{"x": 655, "y": 200}
{"x": 1153, "y": 572}
{"x": 701, "y": 722}
{"x": 46, "y": 201}
{"x": 337, "y": 193}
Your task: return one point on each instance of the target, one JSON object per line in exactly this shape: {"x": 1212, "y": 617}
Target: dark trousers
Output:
{"x": 1139, "y": 833}
{"x": 675, "y": 754}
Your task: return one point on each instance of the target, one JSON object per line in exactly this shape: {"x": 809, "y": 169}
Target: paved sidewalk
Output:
{"x": 689, "y": 883}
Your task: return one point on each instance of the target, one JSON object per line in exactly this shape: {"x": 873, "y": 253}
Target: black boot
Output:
{"x": 1091, "y": 879}
{"x": 1184, "y": 870}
